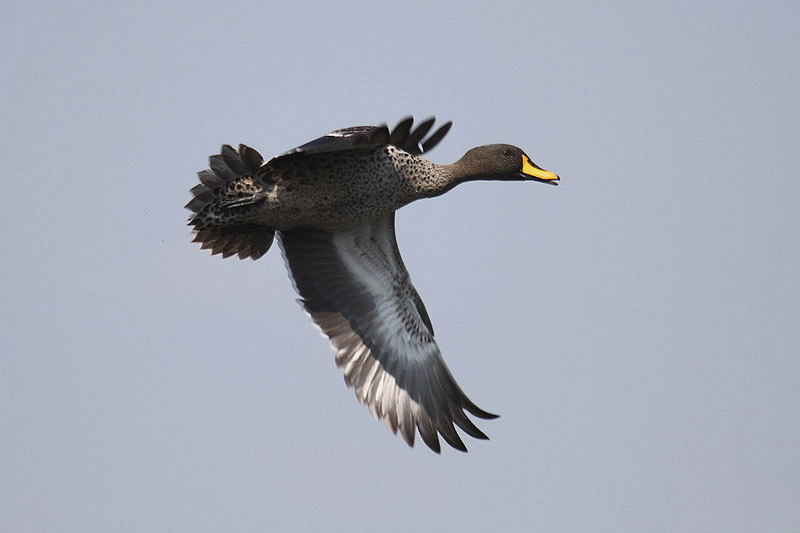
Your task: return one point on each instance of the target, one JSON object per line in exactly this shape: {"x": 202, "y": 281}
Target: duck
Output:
{"x": 331, "y": 203}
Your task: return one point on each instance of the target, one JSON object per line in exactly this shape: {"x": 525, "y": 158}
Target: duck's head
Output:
{"x": 501, "y": 162}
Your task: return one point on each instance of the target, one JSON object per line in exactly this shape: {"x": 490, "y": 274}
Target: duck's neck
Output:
{"x": 441, "y": 179}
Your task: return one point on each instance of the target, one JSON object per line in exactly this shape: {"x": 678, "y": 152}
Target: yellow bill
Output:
{"x": 532, "y": 171}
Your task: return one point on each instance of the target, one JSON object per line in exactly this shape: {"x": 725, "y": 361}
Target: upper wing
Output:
{"x": 370, "y": 136}
{"x": 357, "y": 290}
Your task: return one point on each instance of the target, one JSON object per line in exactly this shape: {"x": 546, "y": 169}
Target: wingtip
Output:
{"x": 437, "y": 136}
{"x": 480, "y": 413}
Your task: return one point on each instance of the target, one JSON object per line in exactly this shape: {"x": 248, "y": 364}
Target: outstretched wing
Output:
{"x": 355, "y": 287}
{"x": 371, "y": 136}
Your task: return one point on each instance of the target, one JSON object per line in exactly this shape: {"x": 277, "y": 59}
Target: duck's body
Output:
{"x": 329, "y": 191}
{"x": 364, "y": 185}
{"x": 332, "y": 202}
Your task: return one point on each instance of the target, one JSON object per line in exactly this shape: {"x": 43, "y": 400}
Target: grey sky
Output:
{"x": 636, "y": 327}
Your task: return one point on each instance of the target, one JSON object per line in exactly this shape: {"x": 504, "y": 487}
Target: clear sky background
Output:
{"x": 636, "y": 327}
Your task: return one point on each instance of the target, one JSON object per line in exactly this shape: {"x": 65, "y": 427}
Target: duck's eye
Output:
{"x": 506, "y": 153}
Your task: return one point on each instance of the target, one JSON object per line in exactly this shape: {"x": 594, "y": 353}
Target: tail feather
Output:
{"x": 224, "y": 202}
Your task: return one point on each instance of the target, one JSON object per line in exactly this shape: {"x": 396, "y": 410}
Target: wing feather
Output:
{"x": 365, "y": 137}
{"x": 355, "y": 287}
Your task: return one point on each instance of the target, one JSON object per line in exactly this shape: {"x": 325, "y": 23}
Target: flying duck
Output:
{"x": 332, "y": 202}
